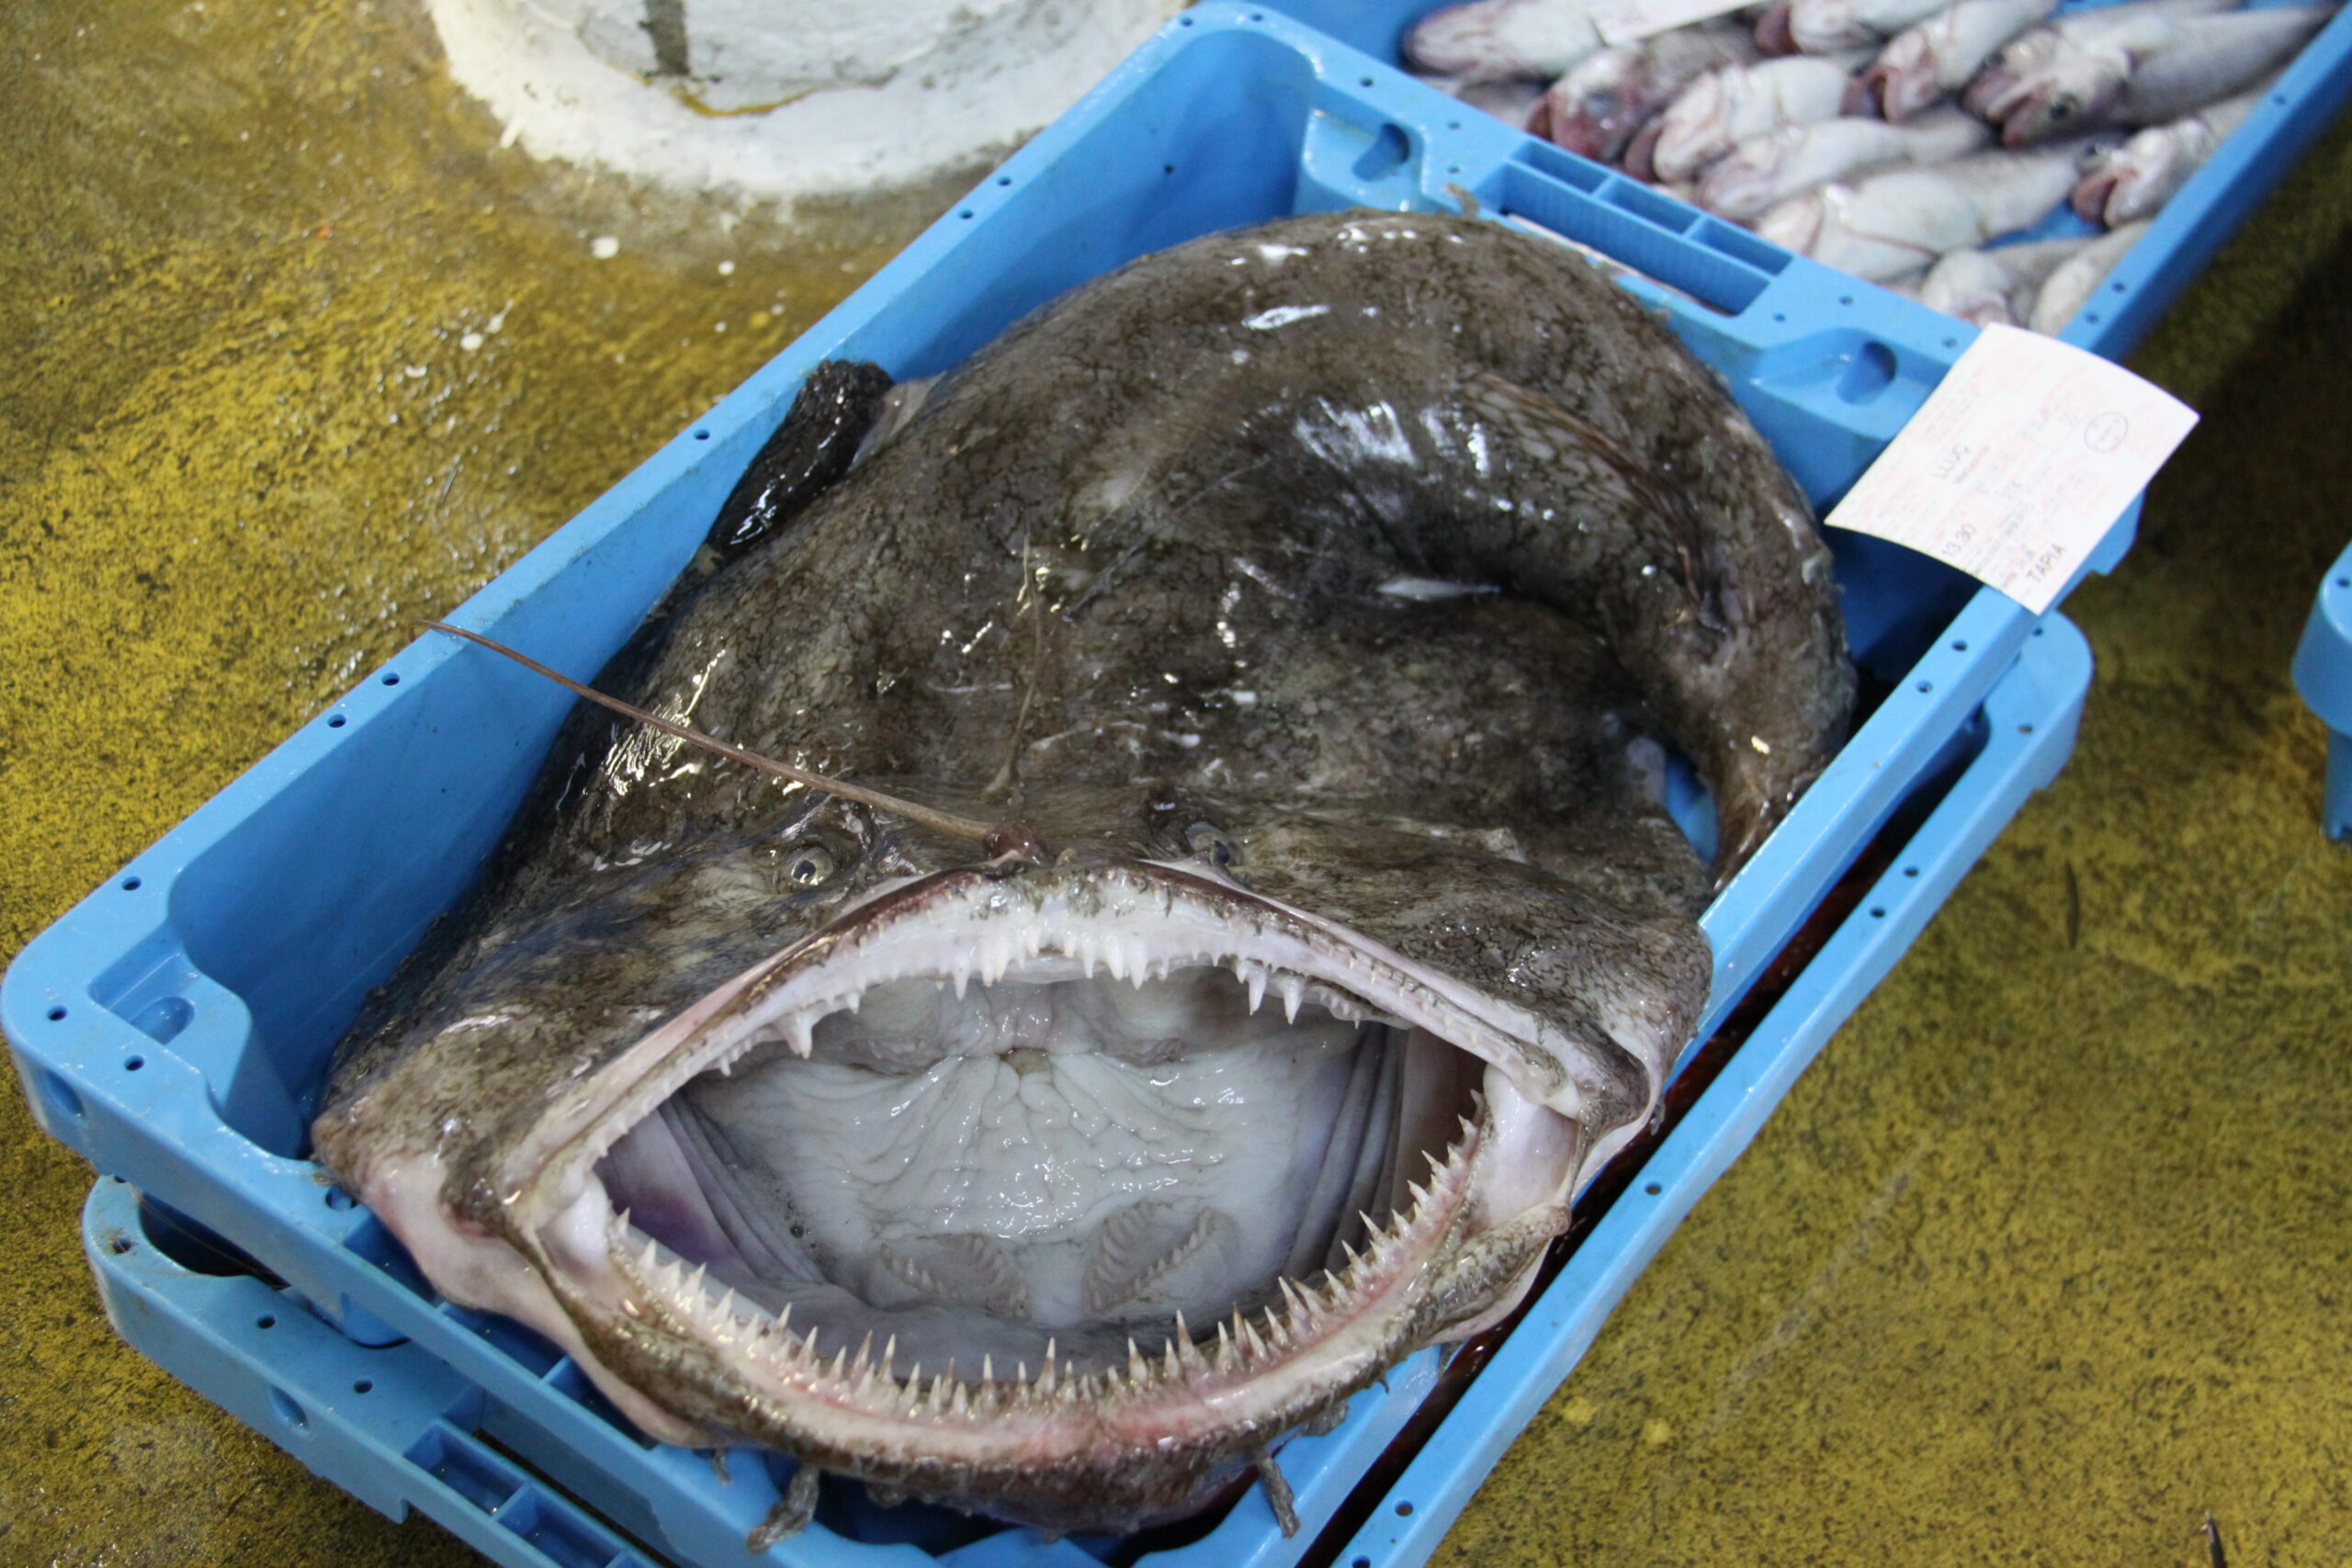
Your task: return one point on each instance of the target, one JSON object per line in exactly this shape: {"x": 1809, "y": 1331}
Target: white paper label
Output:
{"x": 1630, "y": 21}
{"x": 2018, "y": 464}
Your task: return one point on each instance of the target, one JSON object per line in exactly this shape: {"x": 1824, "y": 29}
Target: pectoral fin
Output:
{"x": 814, "y": 446}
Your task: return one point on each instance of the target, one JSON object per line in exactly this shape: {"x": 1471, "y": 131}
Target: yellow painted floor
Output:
{"x": 2047, "y": 1257}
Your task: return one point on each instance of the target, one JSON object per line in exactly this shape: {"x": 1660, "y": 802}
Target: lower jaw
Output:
{"x": 1110, "y": 1450}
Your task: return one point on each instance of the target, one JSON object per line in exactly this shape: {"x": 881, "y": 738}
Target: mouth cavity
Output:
{"x": 931, "y": 1178}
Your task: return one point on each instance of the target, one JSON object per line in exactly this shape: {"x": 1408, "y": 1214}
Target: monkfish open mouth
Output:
{"x": 1047, "y": 1175}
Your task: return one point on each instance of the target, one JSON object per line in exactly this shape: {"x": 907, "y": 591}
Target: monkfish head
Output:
{"x": 1056, "y": 1184}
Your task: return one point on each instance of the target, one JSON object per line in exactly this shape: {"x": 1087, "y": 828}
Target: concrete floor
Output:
{"x": 2043, "y": 1262}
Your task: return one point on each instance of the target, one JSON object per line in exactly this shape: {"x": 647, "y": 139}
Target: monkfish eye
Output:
{"x": 1208, "y": 838}
{"x": 807, "y": 866}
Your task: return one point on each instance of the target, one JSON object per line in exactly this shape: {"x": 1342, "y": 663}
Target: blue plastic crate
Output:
{"x": 2323, "y": 676}
{"x": 2182, "y": 239}
{"x": 397, "y": 1428}
{"x": 175, "y": 1026}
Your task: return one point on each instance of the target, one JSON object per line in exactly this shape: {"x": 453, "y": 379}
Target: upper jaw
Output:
{"x": 1132, "y": 920}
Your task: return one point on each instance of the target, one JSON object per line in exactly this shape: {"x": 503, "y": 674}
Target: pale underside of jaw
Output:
{"x": 1015, "y": 1187}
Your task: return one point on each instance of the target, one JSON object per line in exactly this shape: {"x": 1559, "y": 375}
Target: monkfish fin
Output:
{"x": 791, "y": 1514}
{"x": 820, "y": 436}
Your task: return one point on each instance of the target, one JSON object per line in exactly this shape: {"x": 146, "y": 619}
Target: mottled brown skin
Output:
{"x": 1119, "y": 577}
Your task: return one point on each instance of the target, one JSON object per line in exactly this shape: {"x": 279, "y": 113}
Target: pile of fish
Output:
{"x": 1897, "y": 140}
{"x": 1268, "y": 649}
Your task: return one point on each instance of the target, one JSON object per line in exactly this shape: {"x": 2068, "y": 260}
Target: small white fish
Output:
{"x": 2137, "y": 178}
{"x": 1764, "y": 170}
{"x": 1938, "y": 56}
{"x": 1903, "y": 220}
{"x": 1596, "y": 109}
{"x": 2138, "y": 64}
{"x": 1725, "y": 107}
{"x": 1497, "y": 40}
{"x": 2069, "y": 288}
{"x": 1513, "y": 102}
{"x": 1995, "y": 287}
{"x": 1826, "y": 27}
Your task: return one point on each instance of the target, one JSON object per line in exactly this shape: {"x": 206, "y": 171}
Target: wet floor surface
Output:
{"x": 2041, "y": 1262}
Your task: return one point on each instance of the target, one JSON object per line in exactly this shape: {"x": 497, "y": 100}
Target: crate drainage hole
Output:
{"x": 163, "y": 1019}
{"x": 59, "y": 1094}
{"x": 393, "y": 679}
{"x": 286, "y": 1410}
{"x": 337, "y": 722}
{"x": 365, "y": 1385}
{"x": 265, "y": 1321}
{"x": 1871, "y": 372}
{"x": 120, "y": 1245}
{"x": 1653, "y": 1188}
{"x": 56, "y": 1014}
{"x": 1404, "y": 1511}
{"x": 338, "y": 1199}
{"x": 130, "y": 884}
{"x": 133, "y": 1064}
{"x": 1388, "y": 153}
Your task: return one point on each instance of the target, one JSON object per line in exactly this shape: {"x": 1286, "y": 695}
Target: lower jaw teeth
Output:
{"x": 765, "y": 1345}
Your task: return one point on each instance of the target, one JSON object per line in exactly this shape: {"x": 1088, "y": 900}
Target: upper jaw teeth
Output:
{"x": 1263, "y": 985}
{"x": 1132, "y": 927}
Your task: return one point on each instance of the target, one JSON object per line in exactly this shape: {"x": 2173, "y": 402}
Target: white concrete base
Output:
{"x": 781, "y": 99}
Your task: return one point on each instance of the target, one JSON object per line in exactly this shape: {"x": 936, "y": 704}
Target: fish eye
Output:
{"x": 1208, "y": 838}
{"x": 2061, "y": 111}
{"x": 807, "y": 866}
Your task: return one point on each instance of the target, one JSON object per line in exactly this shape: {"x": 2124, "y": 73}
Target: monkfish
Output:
{"x": 1303, "y": 615}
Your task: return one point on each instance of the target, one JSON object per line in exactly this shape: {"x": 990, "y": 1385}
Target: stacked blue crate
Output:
{"x": 2324, "y": 675}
